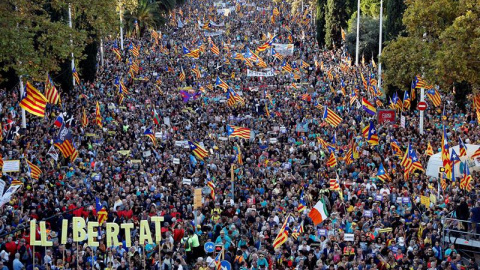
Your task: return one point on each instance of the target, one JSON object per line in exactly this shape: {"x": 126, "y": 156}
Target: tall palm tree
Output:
{"x": 146, "y": 15}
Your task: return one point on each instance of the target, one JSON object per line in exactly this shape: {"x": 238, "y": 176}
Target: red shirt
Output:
{"x": 178, "y": 234}
{"x": 11, "y": 247}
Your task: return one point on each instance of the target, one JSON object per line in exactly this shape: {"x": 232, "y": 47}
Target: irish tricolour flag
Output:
{"x": 318, "y": 213}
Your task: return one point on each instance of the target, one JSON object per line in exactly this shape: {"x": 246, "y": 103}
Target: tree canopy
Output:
{"x": 442, "y": 43}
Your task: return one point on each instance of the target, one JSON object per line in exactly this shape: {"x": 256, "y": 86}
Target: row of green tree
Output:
{"x": 36, "y": 37}
{"x": 439, "y": 39}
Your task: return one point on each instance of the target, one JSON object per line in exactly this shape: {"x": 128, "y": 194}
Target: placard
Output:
{"x": 197, "y": 198}
{"x": 273, "y": 140}
{"x": 367, "y": 213}
{"x": 158, "y": 135}
{"x": 147, "y": 153}
{"x": 405, "y": 200}
{"x": 176, "y": 161}
{"x": 124, "y": 152}
{"x": 379, "y": 198}
{"x": 384, "y": 230}
{"x": 284, "y": 49}
{"x": 425, "y": 201}
{"x": 402, "y": 121}
{"x": 253, "y": 73}
{"x": 11, "y": 166}
{"x": 386, "y": 116}
{"x": 136, "y": 161}
{"x": 323, "y": 232}
{"x": 186, "y": 181}
{"x": 223, "y": 138}
{"x": 348, "y": 237}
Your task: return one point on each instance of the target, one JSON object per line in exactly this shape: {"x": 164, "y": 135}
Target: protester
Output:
{"x": 250, "y": 187}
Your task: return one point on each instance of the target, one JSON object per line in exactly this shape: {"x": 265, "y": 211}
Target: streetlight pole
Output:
{"x": 380, "y": 47}
{"x": 24, "y": 121}
{"x": 71, "y": 41}
{"x": 121, "y": 26}
{"x": 358, "y": 33}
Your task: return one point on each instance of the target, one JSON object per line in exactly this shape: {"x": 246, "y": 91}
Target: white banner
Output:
{"x": 11, "y": 166}
{"x": 253, "y": 73}
{"x": 262, "y": 9}
{"x": 284, "y": 49}
{"x": 8, "y": 194}
{"x": 217, "y": 24}
{"x": 225, "y": 11}
{"x": 214, "y": 34}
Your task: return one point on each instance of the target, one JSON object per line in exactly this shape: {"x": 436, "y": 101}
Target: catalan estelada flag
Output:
{"x": 102, "y": 214}
{"x": 435, "y": 97}
{"x": 406, "y": 101}
{"x": 221, "y": 83}
{"x": 372, "y": 137}
{"x": 466, "y": 181}
{"x": 33, "y": 101}
{"x": 214, "y": 49}
{"x": 51, "y": 91}
{"x": 233, "y": 98}
{"x": 149, "y": 133}
{"x": 196, "y": 71}
{"x": 241, "y": 132}
{"x": 34, "y": 170}
{"x": 192, "y": 54}
{"x": 382, "y": 174}
{"x": 331, "y": 117}
{"x": 181, "y": 77}
{"x": 286, "y": 66}
{"x": 98, "y": 116}
{"x": 197, "y": 150}
{"x": 418, "y": 82}
{"x": 282, "y": 236}
{"x": 75, "y": 75}
{"x": 368, "y": 107}
{"x": 463, "y": 148}
{"x": 302, "y": 206}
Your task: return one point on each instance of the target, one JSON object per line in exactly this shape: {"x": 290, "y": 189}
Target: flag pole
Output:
{"x": 71, "y": 41}
{"x": 358, "y": 33}
{"x": 422, "y": 98}
{"x": 24, "y": 121}
{"x": 379, "y": 81}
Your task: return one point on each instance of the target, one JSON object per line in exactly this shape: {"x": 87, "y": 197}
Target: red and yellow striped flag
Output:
{"x": 35, "y": 171}
{"x": 98, "y": 116}
{"x": 33, "y": 101}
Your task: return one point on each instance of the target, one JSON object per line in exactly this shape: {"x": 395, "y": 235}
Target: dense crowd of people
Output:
{"x": 258, "y": 182}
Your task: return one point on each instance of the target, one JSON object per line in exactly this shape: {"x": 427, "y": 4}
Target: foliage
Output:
{"x": 370, "y": 8}
{"x": 320, "y": 22}
{"x": 368, "y": 37}
{"x": 147, "y": 14}
{"x": 393, "y": 24}
{"x": 442, "y": 43}
{"x": 335, "y": 20}
{"x": 30, "y": 43}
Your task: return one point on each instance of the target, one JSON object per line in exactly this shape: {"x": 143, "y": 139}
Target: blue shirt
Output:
{"x": 17, "y": 264}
